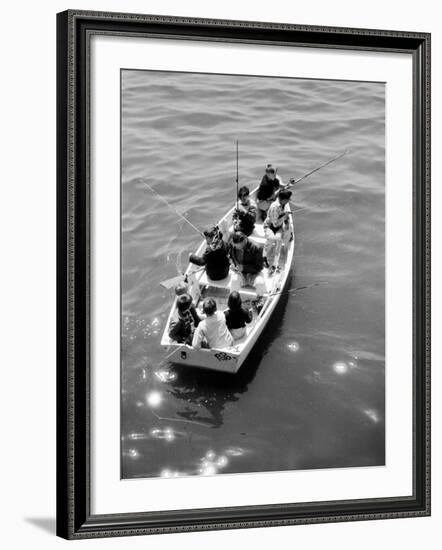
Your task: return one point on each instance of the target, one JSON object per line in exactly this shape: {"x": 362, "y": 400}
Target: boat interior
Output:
{"x": 201, "y": 287}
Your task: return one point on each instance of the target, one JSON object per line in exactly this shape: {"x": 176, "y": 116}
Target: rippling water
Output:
{"x": 312, "y": 393}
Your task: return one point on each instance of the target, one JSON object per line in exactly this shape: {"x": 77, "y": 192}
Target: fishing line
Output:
{"x": 297, "y": 289}
{"x": 171, "y": 207}
{"x": 169, "y": 419}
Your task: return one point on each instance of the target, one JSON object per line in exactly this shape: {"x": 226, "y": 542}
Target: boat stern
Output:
{"x": 222, "y": 360}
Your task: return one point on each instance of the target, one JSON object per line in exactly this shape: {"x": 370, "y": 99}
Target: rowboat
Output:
{"x": 200, "y": 287}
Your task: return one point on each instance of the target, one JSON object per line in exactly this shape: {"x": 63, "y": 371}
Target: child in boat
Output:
{"x": 183, "y": 288}
{"x": 215, "y": 257}
{"x": 213, "y": 330}
{"x": 270, "y": 184}
{"x": 247, "y": 262}
{"x": 237, "y": 316}
{"x": 277, "y": 229}
{"x": 244, "y": 216}
{"x": 182, "y": 328}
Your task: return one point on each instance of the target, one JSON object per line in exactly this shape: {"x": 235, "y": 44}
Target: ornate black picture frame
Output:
{"x": 74, "y": 31}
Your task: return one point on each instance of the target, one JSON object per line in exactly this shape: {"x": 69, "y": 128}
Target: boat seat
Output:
{"x": 247, "y": 291}
{"x": 222, "y": 283}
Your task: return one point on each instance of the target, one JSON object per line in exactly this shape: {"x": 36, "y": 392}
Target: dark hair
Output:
{"x": 238, "y": 237}
{"x": 209, "y": 306}
{"x": 181, "y": 288}
{"x": 183, "y": 302}
{"x": 270, "y": 169}
{"x": 285, "y": 194}
{"x": 244, "y": 190}
{"x": 211, "y": 231}
{"x": 234, "y": 301}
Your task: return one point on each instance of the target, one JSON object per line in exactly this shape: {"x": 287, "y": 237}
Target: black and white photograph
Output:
{"x": 252, "y": 274}
{"x": 222, "y": 264}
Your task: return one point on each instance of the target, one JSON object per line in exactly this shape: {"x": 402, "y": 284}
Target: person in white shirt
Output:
{"x": 277, "y": 228}
{"x": 213, "y": 330}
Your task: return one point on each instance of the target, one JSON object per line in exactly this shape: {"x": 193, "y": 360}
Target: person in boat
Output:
{"x": 270, "y": 184}
{"x": 182, "y": 328}
{"x": 247, "y": 262}
{"x": 277, "y": 229}
{"x": 213, "y": 331}
{"x": 215, "y": 257}
{"x": 237, "y": 316}
{"x": 244, "y": 215}
{"x": 183, "y": 288}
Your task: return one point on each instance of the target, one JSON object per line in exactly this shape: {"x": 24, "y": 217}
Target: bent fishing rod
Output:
{"x": 294, "y": 182}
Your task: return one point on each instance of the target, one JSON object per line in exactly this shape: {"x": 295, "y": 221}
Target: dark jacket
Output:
{"x": 216, "y": 261}
{"x": 181, "y": 329}
{"x": 251, "y": 260}
{"x": 267, "y": 188}
{"x": 245, "y": 220}
{"x": 237, "y": 318}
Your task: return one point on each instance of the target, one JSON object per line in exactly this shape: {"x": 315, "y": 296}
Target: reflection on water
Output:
{"x": 372, "y": 415}
{"x": 154, "y": 399}
{"x": 340, "y": 368}
{"x": 293, "y": 346}
{"x": 210, "y": 464}
{"x": 311, "y": 395}
{"x": 165, "y": 375}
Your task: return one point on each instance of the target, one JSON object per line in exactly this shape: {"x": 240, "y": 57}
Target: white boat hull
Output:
{"x": 230, "y": 359}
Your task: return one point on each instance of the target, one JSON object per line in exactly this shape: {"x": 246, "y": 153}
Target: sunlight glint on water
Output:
{"x": 317, "y": 378}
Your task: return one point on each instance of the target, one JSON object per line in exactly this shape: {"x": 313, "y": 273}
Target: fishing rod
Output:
{"x": 172, "y": 208}
{"x": 299, "y": 288}
{"x": 320, "y": 167}
{"x": 299, "y": 210}
{"x": 294, "y": 182}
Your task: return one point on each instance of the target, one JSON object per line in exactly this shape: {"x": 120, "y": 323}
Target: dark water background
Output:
{"x": 312, "y": 393}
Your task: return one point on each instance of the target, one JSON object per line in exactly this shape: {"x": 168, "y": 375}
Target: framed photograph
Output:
{"x": 243, "y": 274}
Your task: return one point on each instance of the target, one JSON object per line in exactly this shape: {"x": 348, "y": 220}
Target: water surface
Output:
{"x": 312, "y": 393}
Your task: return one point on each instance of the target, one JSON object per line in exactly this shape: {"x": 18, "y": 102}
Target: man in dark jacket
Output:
{"x": 247, "y": 262}
{"x": 215, "y": 257}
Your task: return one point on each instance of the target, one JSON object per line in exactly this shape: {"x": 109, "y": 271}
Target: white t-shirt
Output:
{"x": 215, "y": 332}
{"x": 274, "y": 214}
